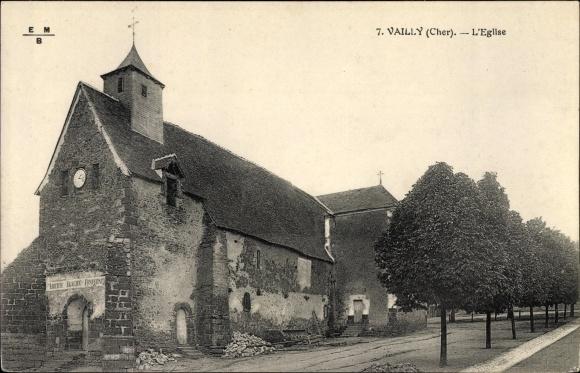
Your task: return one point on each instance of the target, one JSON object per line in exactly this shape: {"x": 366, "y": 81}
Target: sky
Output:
{"x": 311, "y": 92}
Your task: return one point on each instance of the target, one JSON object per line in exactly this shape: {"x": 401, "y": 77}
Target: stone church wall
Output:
{"x": 353, "y": 239}
{"x": 165, "y": 264}
{"x": 285, "y": 291}
{"x": 212, "y": 308}
{"x": 85, "y": 230}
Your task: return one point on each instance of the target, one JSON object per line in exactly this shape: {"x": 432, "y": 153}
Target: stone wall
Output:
{"x": 353, "y": 239}
{"x": 22, "y": 351}
{"x": 212, "y": 308}
{"x": 165, "y": 263}
{"x": 23, "y": 310}
{"x": 81, "y": 230}
{"x": 87, "y": 230}
{"x": 276, "y": 288}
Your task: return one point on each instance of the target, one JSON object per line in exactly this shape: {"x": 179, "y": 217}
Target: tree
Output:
{"x": 432, "y": 252}
{"x": 559, "y": 259}
{"x": 533, "y": 290}
{"x": 539, "y": 233}
{"x": 500, "y": 286}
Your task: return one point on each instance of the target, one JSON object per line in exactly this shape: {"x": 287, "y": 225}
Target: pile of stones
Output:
{"x": 244, "y": 345}
{"x": 150, "y": 357}
{"x": 392, "y": 368}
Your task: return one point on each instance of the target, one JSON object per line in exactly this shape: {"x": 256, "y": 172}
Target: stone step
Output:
{"x": 353, "y": 330}
{"x": 190, "y": 352}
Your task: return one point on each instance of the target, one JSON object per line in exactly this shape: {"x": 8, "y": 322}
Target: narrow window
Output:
{"x": 258, "y": 259}
{"x": 171, "y": 191}
{"x": 64, "y": 183}
{"x": 247, "y": 303}
{"x": 120, "y": 85}
{"x": 96, "y": 175}
{"x": 143, "y": 90}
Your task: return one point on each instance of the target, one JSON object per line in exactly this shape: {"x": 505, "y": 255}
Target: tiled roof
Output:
{"x": 358, "y": 199}
{"x": 238, "y": 194}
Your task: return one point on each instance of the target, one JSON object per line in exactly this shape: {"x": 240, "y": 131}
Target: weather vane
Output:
{"x": 132, "y": 25}
{"x": 380, "y": 175}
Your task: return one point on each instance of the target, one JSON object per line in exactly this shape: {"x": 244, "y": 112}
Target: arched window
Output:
{"x": 247, "y": 302}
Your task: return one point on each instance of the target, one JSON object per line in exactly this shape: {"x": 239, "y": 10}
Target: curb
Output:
{"x": 524, "y": 351}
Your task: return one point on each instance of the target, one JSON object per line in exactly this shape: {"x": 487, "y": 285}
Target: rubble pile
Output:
{"x": 244, "y": 345}
{"x": 150, "y": 357}
{"x": 392, "y": 368}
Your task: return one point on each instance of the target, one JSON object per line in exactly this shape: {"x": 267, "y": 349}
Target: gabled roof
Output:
{"x": 238, "y": 195}
{"x": 358, "y": 199}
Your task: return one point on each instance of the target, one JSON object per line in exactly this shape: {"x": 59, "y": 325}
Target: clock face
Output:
{"x": 79, "y": 178}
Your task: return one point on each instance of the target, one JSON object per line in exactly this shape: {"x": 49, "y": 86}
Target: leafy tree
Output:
{"x": 433, "y": 252}
{"x": 499, "y": 288}
{"x": 539, "y": 233}
{"x": 559, "y": 259}
{"x": 533, "y": 289}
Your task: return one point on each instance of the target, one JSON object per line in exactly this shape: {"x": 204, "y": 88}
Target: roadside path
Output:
{"x": 562, "y": 356}
{"x": 526, "y": 350}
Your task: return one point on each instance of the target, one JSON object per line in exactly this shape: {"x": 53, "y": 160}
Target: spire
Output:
{"x": 134, "y": 59}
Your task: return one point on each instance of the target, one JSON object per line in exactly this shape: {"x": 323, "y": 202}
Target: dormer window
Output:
{"x": 120, "y": 85}
{"x": 143, "y": 90}
{"x": 167, "y": 167}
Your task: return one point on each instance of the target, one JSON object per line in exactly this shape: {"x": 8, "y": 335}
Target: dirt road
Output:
{"x": 466, "y": 342}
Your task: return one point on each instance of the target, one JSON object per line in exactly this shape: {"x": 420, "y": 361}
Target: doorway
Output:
{"x": 358, "y": 310}
{"x": 181, "y": 327}
{"x": 77, "y": 325}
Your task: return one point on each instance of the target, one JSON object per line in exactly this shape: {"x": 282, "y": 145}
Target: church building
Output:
{"x": 152, "y": 236}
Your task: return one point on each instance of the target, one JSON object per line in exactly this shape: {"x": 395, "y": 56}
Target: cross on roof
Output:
{"x": 380, "y": 175}
{"x": 133, "y": 23}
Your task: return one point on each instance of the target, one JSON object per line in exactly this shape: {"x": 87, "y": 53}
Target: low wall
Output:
{"x": 400, "y": 323}
{"x": 22, "y": 351}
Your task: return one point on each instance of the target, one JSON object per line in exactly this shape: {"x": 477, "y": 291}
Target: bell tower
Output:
{"x": 136, "y": 88}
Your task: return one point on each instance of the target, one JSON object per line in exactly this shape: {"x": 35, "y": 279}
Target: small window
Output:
{"x": 247, "y": 302}
{"x": 96, "y": 175}
{"x": 171, "y": 191}
{"x": 120, "y": 85}
{"x": 258, "y": 263}
{"x": 143, "y": 90}
{"x": 64, "y": 183}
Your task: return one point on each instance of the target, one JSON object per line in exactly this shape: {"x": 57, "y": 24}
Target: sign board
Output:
{"x": 75, "y": 283}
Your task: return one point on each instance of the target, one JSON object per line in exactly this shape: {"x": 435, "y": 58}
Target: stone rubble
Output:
{"x": 392, "y": 368}
{"x": 244, "y": 345}
{"x": 150, "y": 357}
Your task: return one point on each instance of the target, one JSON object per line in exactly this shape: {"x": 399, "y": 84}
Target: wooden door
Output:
{"x": 181, "y": 327}
{"x": 358, "y": 310}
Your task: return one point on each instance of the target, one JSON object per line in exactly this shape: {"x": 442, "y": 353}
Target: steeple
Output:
{"x": 133, "y": 59}
{"x": 136, "y": 88}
